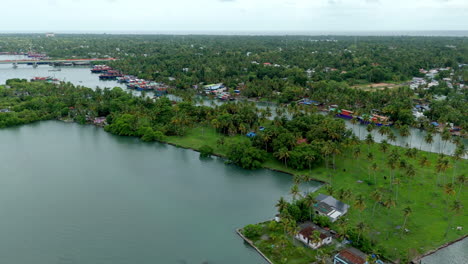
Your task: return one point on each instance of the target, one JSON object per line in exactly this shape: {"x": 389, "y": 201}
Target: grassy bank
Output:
{"x": 431, "y": 214}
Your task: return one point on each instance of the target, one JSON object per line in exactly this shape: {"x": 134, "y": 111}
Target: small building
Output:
{"x": 350, "y": 256}
{"x": 330, "y": 207}
{"x": 50, "y": 35}
{"x": 306, "y": 236}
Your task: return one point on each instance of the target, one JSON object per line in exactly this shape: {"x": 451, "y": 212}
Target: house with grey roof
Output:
{"x": 328, "y": 206}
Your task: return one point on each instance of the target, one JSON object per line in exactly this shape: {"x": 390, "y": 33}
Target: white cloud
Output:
{"x": 234, "y": 15}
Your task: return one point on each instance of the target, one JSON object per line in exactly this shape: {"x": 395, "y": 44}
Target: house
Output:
{"x": 306, "y": 236}
{"x": 350, "y": 256}
{"x": 330, "y": 207}
{"x": 50, "y": 35}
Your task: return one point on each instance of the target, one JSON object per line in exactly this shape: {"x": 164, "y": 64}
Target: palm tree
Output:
{"x": 281, "y": 204}
{"x": 357, "y": 152}
{"x": 397, "y": 182}
{"x": 282, "y": 154}
{"x": 329, "y": 190}
{"x": 462, "y": 180}
{"x": 310, "y": 201}
{"x": 361, "y": 226}
{"x": 405, "y": 132}
{"x": 391, "y": 137}
{"x": 389, "y": 203}
{"x": 384, "y": 146}
{"x": 410, "y": 171}
{"x": 445, "y": 137}
{"x": 360, "y": 204}
{"x": 374, "y": 168}
{"x": 310, "y": 157}
{"x": 449, "y": 189}
{"x": 406, "y": 212}
{"x": 377, "y": 196}
{"x": 344, "y": 194}
{"x": 315, "y": 238}
{"x": 442, "y": 165}
{"x": 429, "y": 139}
{"x": 369, "y": 141}
{"x": 335, "y": 150}
{"x": 456, "y": 208}
{"x": 322, "y": 256}
{"x": 391, "y": 163}
{"x": 295, "y": 191}
{"x": 424, "y": 162}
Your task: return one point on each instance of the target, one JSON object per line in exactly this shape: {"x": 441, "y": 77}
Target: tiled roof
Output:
{"x": 351, "y": 256}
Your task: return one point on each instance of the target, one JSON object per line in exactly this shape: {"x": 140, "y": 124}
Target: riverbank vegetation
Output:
{"x": 396, "y": 193}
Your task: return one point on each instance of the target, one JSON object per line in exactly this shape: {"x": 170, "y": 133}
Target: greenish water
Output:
{"x": 454, "y": 254}
{"x": 76, "y": 194}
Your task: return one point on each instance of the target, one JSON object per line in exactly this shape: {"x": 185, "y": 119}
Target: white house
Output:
{"x": 308, "y": 233}
{"x": 330, "y": 207}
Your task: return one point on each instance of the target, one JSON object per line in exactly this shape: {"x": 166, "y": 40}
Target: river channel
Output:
{"x": 73, "y": 193}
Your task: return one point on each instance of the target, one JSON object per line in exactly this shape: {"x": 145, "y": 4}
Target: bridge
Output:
{"x": 72, "y": 61}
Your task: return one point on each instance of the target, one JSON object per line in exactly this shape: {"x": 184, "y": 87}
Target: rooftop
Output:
{"x": 352, "y": 256}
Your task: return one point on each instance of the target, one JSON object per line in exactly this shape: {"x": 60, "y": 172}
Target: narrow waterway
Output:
{"x": 75, "y": 194}
{"x": 83, "y": 76}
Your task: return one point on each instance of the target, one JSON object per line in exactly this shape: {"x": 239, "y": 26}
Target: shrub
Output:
{"x": 206, "y": 151}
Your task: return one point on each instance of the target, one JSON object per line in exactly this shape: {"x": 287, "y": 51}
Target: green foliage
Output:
{"x": 252, "y": 231}
{"x": 206, "y": 151}
{"x": 245, "y": 155}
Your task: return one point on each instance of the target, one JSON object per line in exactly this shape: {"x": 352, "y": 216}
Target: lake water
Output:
{"x": 454, "y": 254}
{"x": 75, "y": 194}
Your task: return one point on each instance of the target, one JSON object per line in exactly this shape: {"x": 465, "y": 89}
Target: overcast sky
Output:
{"x": 232, "y": 15}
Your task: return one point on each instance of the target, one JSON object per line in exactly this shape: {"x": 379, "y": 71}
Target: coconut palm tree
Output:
{"x": 281, "y": 204}
{"x": 310, "y": 201}
{"x": 391, "y": 137}
{"x": 295, "y": 191}
{"x": 374, "y": 168}
{"x": 369, "y": 141}
{"x": 410, "y": 171}
{"x": 377, "y": 196}
{"x": 315, "y": 237}
{"x": 344, "y": 194}
{"x": 424, "y": 162}
{"x": 456, "y": 208}
{"x": 442, "y": 165}
{"x": 330, "y": 190}
{"x": 356, "y": 152}
{"x": 449, "y": 189}
{"x": 405, "y": 132}
{"x": 429, "y": 139}
{"x": 360, "y": 204}
{"x": 446, "y": 136}
{"x": 406, "y": 212}
{"x": 283, "y": 154}
{"x": 361, "y": 227}
{"x": 384, "y": 146}
{"x": 461, "y": 180}
{"x": 397, "y": 182}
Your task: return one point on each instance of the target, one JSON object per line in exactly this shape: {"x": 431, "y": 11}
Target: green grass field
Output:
{"x": 431, "y": 215}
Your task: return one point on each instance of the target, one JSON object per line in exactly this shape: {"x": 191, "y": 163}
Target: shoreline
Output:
{"x": 248, "y": 241}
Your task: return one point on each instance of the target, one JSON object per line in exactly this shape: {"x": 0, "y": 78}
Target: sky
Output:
{"x": 232, "y": 15}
